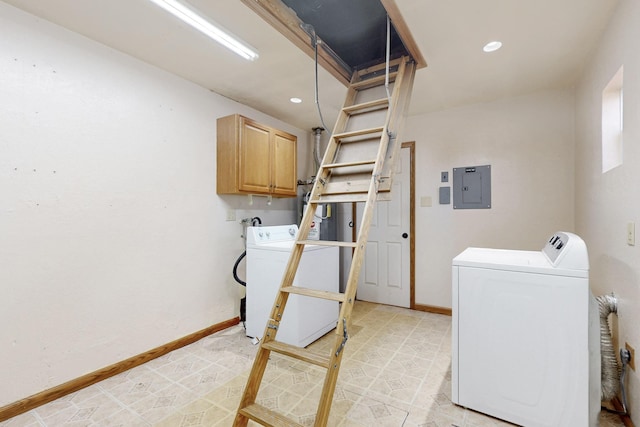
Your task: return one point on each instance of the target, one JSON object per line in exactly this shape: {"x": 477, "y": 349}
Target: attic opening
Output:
{"x": 352, "y": 34}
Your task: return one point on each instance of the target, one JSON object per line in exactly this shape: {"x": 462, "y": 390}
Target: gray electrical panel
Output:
{"x": 472, "y": 187}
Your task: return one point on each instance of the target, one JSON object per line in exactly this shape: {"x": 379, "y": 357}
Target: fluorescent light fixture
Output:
{"x": 296, "y": 100}
{"x": 208, "y": 28}
{"x": 492, "y": 46}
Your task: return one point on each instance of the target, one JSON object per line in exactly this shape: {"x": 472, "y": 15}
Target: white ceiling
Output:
{"x": 545, "y": 43}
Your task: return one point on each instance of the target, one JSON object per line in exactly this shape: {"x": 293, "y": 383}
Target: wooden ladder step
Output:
{"x": 367, "y": 107}
{"x": 327, "y": 242}
{"x": 394, "y": 65}
{"x": 354, "y": 185}
{"x": 314, "y": 293}
{"x": 374, "y": 81}
{"x": 361, "y": 132}
{"x": 341, "y": 198}
{"x": 347, "y": 164}
{"x": 298, "y": 353}
{"x": 267, "y": 417}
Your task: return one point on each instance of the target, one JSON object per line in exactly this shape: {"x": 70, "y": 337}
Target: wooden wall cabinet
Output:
{"x": 253, "y": 158}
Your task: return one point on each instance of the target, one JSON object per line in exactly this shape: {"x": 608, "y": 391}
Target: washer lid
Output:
{"x": 513, "y": 260}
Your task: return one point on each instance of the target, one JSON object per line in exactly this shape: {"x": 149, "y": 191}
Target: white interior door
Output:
{"x": 384, "y": 277}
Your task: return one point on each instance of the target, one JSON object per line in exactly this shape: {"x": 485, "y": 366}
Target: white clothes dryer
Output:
{"x": 305, "y": 319}
{"x": 525, "y": 334}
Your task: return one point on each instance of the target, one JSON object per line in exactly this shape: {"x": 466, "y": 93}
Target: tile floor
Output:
{"x": 395, "y": 372}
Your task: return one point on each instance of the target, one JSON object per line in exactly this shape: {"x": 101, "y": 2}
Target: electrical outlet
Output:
{"x": 444, "y": 176}
{"x": 231, "y": 215}
{"x": 632, "y": 352}
{"x": 631, "y": 233}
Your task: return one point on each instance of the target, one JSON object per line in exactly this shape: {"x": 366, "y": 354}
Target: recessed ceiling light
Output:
{"x": 296, "y": 100}
{"x": 492, "y": 46}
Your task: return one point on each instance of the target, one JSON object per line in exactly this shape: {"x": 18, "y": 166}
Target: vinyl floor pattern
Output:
{"x": 396, "y": 372}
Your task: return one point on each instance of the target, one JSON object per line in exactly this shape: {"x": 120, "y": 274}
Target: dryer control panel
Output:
{"x": 567, "y": 250}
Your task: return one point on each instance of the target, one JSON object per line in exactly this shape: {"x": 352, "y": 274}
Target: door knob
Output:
{"x": 405, "y": 235}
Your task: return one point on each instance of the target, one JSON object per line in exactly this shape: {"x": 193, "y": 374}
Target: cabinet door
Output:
{"x": 284, "y": 175}
{"x": 255, "y": 154}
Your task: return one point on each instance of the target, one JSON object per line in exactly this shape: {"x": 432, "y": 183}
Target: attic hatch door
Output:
{"x": 353, "y": 33}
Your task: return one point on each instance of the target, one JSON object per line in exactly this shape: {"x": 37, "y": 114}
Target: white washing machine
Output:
{"x": 305, "y": 319}
{"x": 525, "y": 334}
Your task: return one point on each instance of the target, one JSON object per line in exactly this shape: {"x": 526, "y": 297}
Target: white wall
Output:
{"x": 606, "y": 202}
{"x": 528, "y": 141}
{"x": 112, "y": 238}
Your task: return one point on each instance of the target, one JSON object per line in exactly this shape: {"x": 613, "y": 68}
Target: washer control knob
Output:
{"x": 260, "y": 233}
{"x": 292, "y": 231}
{"x": 268, "y": 234}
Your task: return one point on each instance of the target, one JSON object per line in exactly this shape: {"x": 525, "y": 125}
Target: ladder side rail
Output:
{"x": 271, "y": 329}
{"x": 252, "y": 387}
{"x": 393, "y": 104}
{"x": 344, "y": 321}
{"x": 403, "y": 98}
{"x": 395, "y": 117}
{"x": 392, "y": 113}
{"x": 397, "y": 123}
{"x": 262, "y": 356}
{"x": 324, "y": 406}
